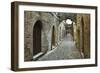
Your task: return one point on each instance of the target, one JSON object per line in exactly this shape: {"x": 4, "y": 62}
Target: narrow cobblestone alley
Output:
{"x": 65, "y": 50}
{"x": 56, "y": 36}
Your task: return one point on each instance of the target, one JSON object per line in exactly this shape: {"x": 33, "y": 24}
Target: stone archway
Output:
{"x": 37, "y": 37}
{"x": 53, "y": 38}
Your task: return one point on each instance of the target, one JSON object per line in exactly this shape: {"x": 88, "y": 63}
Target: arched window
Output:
{"x": 37, "y": 37}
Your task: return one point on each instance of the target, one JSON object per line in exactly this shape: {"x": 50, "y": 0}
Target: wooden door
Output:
{"x": 37, "y": 37}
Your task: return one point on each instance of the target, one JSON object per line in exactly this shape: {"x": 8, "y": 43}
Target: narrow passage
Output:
{"x": 65, "y": 50}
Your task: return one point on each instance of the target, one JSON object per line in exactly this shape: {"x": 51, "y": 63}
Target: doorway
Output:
{"x": 37, "y": 37}
{"x": 82, "y": 25}
{"x": 53, "y": 38}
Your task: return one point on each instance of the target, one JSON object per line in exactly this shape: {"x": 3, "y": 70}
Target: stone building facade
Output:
{"x": 82, "y": 34}
{"x": 48, "y": 24}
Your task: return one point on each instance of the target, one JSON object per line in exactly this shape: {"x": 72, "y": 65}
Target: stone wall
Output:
{"x": 82, "y": 34}
{"x": 86, "y": 36}
{"x": 48, "y": 21}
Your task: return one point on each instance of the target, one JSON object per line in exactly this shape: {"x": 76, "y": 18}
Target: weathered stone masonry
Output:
{"x": 49, "y": 21}
{"x": 53, "y": 29}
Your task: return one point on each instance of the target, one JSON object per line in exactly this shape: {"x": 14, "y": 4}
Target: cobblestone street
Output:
{"x": 65, "y": 50}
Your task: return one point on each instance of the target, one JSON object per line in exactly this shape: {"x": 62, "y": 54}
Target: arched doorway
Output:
{"x": 37, "y": 37}
{"x": 82, "y": 26}
{"x": 53, "y": 38}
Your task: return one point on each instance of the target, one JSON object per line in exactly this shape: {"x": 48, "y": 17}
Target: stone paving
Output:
{"x": 65, "y": 50}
